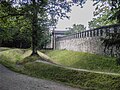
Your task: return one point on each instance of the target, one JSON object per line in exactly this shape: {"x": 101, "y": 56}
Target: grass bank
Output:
{"x": 84, "y": 60}
{"x": 81, "y": 79}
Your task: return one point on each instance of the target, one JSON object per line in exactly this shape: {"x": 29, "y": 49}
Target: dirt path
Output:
{"x": 85, "y": 70}
{"x": 10, "y": 80}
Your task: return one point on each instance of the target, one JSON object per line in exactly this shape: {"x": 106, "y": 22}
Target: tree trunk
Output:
{"x": 34, "y": 29}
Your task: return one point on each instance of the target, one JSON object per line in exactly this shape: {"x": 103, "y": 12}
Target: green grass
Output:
{"x": 17, "y": 56}
{"x": 3, "y": 49}
{"x": 85, "y": 80}
{"x": 84, "y": 60}
{"x": 80, "y": 79}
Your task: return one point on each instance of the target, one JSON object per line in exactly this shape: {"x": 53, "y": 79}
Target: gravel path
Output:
{"x": 10, "y": 80}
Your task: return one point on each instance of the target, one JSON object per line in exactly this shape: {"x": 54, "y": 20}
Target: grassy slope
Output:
{"x": 84, "y": 60}
{"x": 80, "y": 79}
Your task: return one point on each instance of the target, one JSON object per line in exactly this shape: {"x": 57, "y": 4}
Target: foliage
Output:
{"x": 76, "y": 28}
{"x": 81, "y": 79}
{"x": 112, "y": 43}
{"x": 108, "y": 12}
{"x": 103, "y": 14}
{"x": 115, "y": 7}
{"x": 17, "y": 30}
{"x": 101, "y": 21}
{"x": 43, "y": 37}
{"x": 35, "y": 11}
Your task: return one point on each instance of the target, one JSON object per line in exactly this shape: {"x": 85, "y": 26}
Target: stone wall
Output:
{"x": 86, "y": 41}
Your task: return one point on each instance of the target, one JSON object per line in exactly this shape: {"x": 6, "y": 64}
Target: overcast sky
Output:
{"x": 78, "y": 16}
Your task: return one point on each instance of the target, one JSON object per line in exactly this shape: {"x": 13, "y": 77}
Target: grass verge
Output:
{"x": 85, "y": 80}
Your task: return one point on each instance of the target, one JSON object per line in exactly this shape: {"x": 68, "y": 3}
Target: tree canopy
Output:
{"x": 76, "y": 28}
{"x": 33, "y": 16}
{"x": 106, "y": 13}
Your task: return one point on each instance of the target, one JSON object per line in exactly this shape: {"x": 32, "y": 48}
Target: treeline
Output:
{"x": 16, "y": 27}
{"x": 21, "y": 39}
{"x": 15, "y": 38}
{"x": 16, "y": 43}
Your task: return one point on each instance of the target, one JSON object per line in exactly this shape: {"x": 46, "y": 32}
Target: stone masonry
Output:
{"x": 86, "y": 41}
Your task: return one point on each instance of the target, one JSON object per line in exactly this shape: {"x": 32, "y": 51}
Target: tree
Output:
{"x": 16, "y": 29}
{"x": 101, "y": 21}
{"x": 103, "y": 15}
{"x": 112, "y": 40}
{"x": 34, "y": 9}
{"x": 76, "y": 28}
{"x": 111, "y": 8}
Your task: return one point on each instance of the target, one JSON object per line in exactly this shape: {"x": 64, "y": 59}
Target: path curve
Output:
{"x": 84, "y": 70}
{"x": 77, "y": 69}
{"x": 10, "y": 80}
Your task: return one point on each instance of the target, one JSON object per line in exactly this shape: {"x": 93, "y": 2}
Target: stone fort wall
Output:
{"x": 86, "y": 41}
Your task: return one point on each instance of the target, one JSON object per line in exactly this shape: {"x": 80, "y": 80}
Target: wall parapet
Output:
{"x": 102, "y": 31}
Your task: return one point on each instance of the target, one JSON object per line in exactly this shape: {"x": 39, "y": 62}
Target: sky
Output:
{"x": 78, "y": 15}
